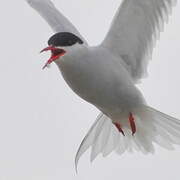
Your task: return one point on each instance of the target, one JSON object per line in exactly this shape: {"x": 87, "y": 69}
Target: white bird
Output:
{"x": 106, "y": 76}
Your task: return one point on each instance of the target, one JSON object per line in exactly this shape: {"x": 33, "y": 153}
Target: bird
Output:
{"x": 106, "y": 76}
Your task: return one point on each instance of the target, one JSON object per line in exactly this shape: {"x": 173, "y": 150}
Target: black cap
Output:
{"x": 64, "y": 39}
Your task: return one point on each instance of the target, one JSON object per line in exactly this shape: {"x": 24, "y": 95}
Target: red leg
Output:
{"x": 132, "y": 123}
{"x": 118, "y": 126}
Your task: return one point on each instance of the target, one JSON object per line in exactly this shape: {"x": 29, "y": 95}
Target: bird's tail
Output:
{"x": 152, "y": 127}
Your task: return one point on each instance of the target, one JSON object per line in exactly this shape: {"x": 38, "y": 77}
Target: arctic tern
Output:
{"x": 106, "y": 76}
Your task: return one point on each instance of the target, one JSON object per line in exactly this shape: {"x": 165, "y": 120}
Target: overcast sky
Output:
{"x": 42, "y": 122}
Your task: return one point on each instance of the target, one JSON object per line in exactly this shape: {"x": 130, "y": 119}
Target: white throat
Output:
{"x": 72, "y": 52}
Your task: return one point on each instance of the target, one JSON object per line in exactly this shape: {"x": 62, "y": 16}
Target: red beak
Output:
{"x": 56, "y": 53}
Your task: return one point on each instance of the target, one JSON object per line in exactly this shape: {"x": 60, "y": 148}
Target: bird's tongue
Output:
{"x": 56, "y": 53}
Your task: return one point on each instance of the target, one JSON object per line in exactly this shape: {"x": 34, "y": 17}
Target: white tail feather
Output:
{"x": 152, "y": 127}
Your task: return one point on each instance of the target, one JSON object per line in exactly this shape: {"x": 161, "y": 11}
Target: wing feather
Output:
{"x": 54, "y": 18}
{"x": 134, "y": 31}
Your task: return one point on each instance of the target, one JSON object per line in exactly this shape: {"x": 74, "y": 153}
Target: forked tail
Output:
{"x": 152, "y": 127}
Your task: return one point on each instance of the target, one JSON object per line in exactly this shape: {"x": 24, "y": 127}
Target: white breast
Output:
{"x": 96, "y": 76}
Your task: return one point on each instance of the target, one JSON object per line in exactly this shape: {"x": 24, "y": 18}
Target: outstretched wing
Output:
{"x": 55, "y": 19}
{"x": 134, "y": 31}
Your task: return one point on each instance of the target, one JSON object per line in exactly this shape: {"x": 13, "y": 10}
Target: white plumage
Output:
{"x": 134, "y": 31}
{"x": 106, "y": 76}
{"x": 55, "y": 19}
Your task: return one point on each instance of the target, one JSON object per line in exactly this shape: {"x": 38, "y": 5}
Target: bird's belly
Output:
{"x": 101, "y": 87}
{"x": 89, "y": 87}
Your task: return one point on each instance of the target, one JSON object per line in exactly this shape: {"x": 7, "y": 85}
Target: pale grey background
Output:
{"x": 42, "y": 121}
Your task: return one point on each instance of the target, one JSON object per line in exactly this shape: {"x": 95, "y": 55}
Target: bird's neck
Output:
{"x": 74, "y": 50}
{"x": 72, "y": 53}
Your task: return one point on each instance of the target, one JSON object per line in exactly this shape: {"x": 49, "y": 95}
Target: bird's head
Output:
{"x": 58, "y": 44}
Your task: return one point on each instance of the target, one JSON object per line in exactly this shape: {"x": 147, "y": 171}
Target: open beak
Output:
{"x": 56, "y": 53}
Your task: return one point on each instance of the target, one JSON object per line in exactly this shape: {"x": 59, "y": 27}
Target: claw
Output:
{"x": 132, "y": 123}
{"x": 118, "y": 126}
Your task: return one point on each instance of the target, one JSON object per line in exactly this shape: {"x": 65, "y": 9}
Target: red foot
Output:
{"x": 132, "y": 123}
{"x": 119, "y": 128}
